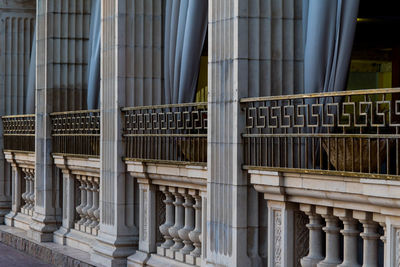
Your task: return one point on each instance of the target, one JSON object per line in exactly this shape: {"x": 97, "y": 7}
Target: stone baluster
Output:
{"x": 332, "y": 231}
{"x": 179, "y": 217}
{"x": 196, "y": 233}
{"x": 89, "y": 203}
{"x": 79, "y": 209}
{"x": 315, "y": 237}
{"x": 169, "y": 218}
{"x": 189, "y": 222}
{"x": 26, "y": 193}
{"x": 370, "y": 238}
{"x": 382, "y": 222}
{"x": 350, "y": 234}
{"x": 95, "y": 210}
{"x": 32, "y": 191}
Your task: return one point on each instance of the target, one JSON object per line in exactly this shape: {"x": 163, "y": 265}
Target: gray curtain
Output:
{"x": 93, "y": 95}
{"x": 30, "y": 91}
{"x": 329, "y": 28}
{"x": 185, "y": 31}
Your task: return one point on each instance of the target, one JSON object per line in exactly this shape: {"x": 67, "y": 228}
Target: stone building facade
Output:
{"x": 243, "y": 177}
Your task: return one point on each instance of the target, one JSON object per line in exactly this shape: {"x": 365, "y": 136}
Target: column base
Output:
{"x": 60, "y": 236}
{"x": 349, "y": 265}
{"x": 42, "y": 229}
{"x": 138, "y": 259}
{"x": 8, "y": 219}
{"x": 328, "y": 263}
{"x": 3, "y": 213}
{"x": 310, "y": 262}
{"x": 111, "y": 251}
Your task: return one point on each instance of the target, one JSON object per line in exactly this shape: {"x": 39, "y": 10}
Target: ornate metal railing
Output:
{"x": 19, "y": 132}
{"x": 76, "y": 132}
{"x": 168, "y": 133}
{"x": 342, "y": 133}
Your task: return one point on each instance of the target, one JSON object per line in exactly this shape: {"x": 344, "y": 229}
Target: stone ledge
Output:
{"x": 51, "y": 253}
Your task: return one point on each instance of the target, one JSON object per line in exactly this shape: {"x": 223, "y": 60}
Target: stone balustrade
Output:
{"x": 23, "y": 188}
{"x": 356, "y": 218}
{"x": 326, "y": 221}
{"x": 172, "y": 208}
{"x": 88, "y": 209}
{"x": 29, "y": 195}
{"x": 181, "y": 229}
{"x": 81, "y": 209}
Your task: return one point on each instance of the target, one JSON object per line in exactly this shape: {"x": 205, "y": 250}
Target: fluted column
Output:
{"x": 350, "y": 234}
{"x": 314, "y": 226}
{"x": 17, "y": 20}
{"x": 254, "y": 50}
{"x": 61, "y": 69}
{"x": 332, "y": 239}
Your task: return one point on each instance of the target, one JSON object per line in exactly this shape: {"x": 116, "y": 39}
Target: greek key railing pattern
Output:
{"x": 172, "y": 133}
{"x": 346, "y": 133}
{"x": 76, "y": 132}
{"x": 19, "y": 132}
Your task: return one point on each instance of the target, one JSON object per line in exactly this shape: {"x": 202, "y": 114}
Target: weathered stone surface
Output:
{"x": 49, "y": 253}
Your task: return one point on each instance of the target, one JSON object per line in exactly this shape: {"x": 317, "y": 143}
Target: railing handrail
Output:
{"x": 194, "y": 104}
{"x": 17, "y": 116}
{"x": 326, "y": 94}
{"x": 74, "y": 112}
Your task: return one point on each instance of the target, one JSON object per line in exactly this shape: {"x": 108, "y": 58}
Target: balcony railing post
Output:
{"x": 147, "y": 219}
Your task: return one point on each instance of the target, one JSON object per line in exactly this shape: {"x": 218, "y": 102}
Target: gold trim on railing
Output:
{"x": 327, "y": 94}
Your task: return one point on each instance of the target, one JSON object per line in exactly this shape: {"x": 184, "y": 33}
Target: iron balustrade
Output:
{"x": 76, "y": 132}
{"x": 19, "y": 133}
{"x": 349, "y": 133}
{"x": 168, "y": 133}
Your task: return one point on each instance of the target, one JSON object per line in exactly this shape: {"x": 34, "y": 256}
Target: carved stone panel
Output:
{"x": 277, "y": 238}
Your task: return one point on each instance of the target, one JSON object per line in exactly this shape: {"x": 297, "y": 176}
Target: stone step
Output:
{"x": 50, "y": 252}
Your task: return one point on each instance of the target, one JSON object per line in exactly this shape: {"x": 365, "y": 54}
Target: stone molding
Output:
{"x": 372, "y": 195}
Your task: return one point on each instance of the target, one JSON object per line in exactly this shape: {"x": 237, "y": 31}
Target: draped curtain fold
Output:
{"x": 93, "y": 91}
{"x": 185, "y": 31}
{"x": 329, "y": 29}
